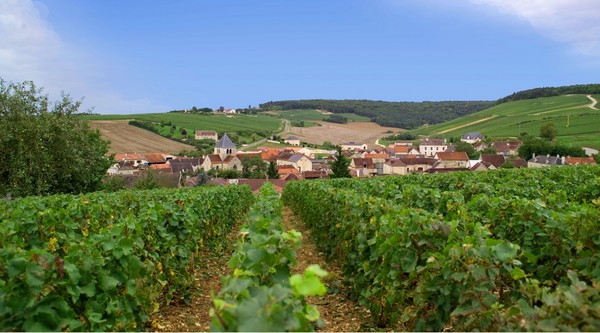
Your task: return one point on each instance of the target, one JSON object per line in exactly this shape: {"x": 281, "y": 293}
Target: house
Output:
{"x": 182, "y": 165}
{"x": 479, "y": 145}
{"x": 404, "y": 151}
{"x": 541, "y": 161}
{"x": 353, "y": 146}
{"x": 481, "y": 166}
{"x": 123, "y": 168}
{"x": 406, "y": 165}
{"x": 206, "y": 135}
{"x": 493, "y": 159}
{"x": 458, "y": 159}
{"x": 155, "y": 158}
{"x": 137, "y": 160}
{"x": 292, "y": 140}
{"x": 223, "y": 157}
{"x": 284, "y": 170}
{"x": 230, "y": 111}
{"x": 429, "y": 147}
{"x": 507, "y": 148}
{"x": 580, "y": 160}
{"x": 363, "y": 167}
{"x": 590, "y": 151}
{"x": 315, "y": 174}
{"x": 299, "y": 161}
{"x": 472, "y": 137}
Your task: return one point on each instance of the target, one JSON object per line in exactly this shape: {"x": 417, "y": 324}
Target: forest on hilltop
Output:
{"x": 586, "y": 89}
{"x": 407, "y": 115}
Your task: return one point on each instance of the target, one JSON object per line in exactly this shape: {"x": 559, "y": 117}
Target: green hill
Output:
{"x": 245, "y": 128}
{"x": 407, "y": 115}
{"x": 575, "y": 121}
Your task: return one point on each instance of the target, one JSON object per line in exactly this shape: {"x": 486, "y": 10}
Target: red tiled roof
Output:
{"x": 453, "y": 156}
{"x": 579, "y": 160}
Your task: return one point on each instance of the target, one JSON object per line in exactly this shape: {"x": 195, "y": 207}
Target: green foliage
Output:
{"x": 538, "y": 146}
{"x": 395, "y": 114}
{"x": 225, "y": 173}
{"x": 569, "y": 307}
{"x": 146, "y": 181}
{"x": 105, "y": 261}
{"x": 272, "y": 171}
{"x": 428, "y": 252}
{"x": 46, "y": 148}
{"x": 552, "y": 91}
{"x": 334, "y": 118}
{"x": 339, "y": 166}
{"x": 262, "y": 294}
{"x": 253, "y": 167}
{"x": 467, "y": 148}
{"x": 548, "y": 132}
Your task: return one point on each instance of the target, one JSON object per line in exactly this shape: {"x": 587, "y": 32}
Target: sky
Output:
{"x": 141, "y": 56}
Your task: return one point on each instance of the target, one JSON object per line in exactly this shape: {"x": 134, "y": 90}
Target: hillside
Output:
{"x": 241, "y": 128}
{"x": 125, "y": 138}
{"x": 407, "y": 115}
{"x": 577, "y": 123}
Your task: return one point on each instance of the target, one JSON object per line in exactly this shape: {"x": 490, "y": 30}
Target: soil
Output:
{"x": 125, "y": 138}
{"x": 338, "y": 312}
{"x": 360, "y": 132}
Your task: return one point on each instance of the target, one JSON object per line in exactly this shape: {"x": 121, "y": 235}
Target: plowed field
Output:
{"x": 125, "y": 138}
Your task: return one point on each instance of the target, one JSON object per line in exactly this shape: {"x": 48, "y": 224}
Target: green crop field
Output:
{"x": 314, "y": 115}
{"x": 194, "y": 121}
{"x": 576, "y": 123}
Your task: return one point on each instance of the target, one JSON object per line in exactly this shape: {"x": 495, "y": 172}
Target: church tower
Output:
{"x": 225, "y": 147}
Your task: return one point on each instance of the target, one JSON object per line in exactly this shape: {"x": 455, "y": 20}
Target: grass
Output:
{"x": 191, "y": 121}
{"x": 314, "y": 115}
{"x": 513, "y": 118}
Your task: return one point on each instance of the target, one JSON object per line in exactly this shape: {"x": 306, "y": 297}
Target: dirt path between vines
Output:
{"x": 338, "y": 312}
{"x": 194, "y": 317}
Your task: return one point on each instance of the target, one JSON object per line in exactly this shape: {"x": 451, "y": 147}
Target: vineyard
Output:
{"x": 105, "y": 261}
{"x": 503, "y": 250}
{"x": 510, "y": 249}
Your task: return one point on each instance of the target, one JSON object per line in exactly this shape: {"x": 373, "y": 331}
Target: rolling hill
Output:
{"x": 577, "y": 122}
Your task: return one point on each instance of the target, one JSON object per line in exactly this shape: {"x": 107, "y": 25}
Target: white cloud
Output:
{"x": 569, "y": 21}
{"x": 31, "y": 50}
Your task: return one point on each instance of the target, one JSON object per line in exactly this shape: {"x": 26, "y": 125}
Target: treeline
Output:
{"x": 408, "y": 115}
{"x": 551, "y": 91}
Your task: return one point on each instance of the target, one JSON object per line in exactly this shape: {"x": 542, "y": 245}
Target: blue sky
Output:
{"x": 154, "y": 56}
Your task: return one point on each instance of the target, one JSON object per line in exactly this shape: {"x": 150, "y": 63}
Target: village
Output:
{"x": 294, "y": 162}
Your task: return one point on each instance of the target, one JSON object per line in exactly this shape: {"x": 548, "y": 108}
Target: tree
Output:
{"x": 340, "y": 165}
{"x": 548, "y": 132}
{"x": 272, "y": 172}
{"x": 467, "y": 148}
{"x": 46, "y": 147}
{"x": 253, "y": 167}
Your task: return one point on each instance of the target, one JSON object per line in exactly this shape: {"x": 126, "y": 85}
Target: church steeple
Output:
{"x": 225, "y": 147}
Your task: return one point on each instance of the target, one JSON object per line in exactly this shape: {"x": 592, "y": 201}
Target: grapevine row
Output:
{"x": 105, "y": 261}
{"x": 430, "y": 257}
{"x": 261, "y": 294}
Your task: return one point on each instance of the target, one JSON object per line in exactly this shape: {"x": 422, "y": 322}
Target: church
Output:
{"x": 223, "y": 156}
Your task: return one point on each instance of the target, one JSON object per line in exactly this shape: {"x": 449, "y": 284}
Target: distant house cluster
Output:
{"x": 296, "y": 163}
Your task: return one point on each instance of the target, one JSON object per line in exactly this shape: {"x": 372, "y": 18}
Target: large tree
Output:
{"x": 46, "y": 147}
{"x": 339, "y": 166}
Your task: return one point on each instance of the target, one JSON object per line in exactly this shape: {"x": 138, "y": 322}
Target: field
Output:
{"x": 315, "y": 115}
{"x": 130, "y": 139}
{"x": 362, "y": 132}
{"x": 575, "y": 121}
{"x": 191, "y": 121}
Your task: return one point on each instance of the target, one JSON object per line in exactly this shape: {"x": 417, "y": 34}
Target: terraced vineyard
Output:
{"x": 502, "y": 250}
{"x": 575, "y": 121}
